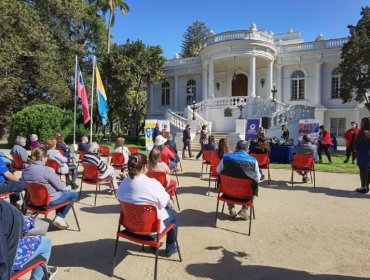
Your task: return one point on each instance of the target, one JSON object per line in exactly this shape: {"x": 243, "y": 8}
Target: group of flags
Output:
{"x": 82, "y": 94}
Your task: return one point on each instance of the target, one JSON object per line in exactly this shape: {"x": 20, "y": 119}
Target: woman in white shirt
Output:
{"x": 120, "y": 148}
{"x": 137, "y": 188}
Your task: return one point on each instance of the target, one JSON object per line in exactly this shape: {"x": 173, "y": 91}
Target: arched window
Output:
{"x": 335, "y": 83}
{"x": 298, "y": 85}
{"x": 165, "y": 97}
{"x": 191, "y": 91}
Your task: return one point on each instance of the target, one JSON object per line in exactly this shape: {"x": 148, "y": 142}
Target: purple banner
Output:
{"x": 252, "y": 129}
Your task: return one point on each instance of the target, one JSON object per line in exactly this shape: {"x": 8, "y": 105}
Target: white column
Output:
{"x": 252, "y": 73}
{"x": 151, "y": 98}
{"x": 270, "y": 76}
{"x": 280, "y": 82}
{"x": 318, "y": 83}
{"x": 176, "y": 105}
{"x": 205, "y": 81}
{"x": 211, "y": 78}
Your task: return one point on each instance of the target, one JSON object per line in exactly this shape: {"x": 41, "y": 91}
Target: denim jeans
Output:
{"x": 171, "y": 235}
{"x": 13, "y": 186}
{"x": 66, "y": 195}
{"x": 44, "y": 250}
{"x": 172, "y": 165}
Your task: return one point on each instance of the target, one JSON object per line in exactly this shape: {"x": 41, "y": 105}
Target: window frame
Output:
{"x": 297, "y": 86}
{"x": 338, "y": 126}
{"x": 335, "y": 79}
{"x": 165, "y": 94}
{"x": 191, "y": 84}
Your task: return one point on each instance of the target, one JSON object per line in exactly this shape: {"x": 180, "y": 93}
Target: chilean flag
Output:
{"x": 81, "y": 92}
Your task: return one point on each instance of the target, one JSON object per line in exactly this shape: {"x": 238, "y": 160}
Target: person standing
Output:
{"x": 285, "y": 134}
{"x": 156, "y": 132}
{"x": 324, "y": 144}
{"x": 362, "y": 149}
{"x": 203, "y": 140}
{"x": 186, "y": 139}
{"x": 349, "y": 137}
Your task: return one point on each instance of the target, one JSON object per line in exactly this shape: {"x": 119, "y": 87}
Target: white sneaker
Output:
{"x": 243, "y": 215}
{"x": 60, "y": 223}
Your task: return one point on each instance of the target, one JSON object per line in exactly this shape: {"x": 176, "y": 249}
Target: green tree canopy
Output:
{"x": 193, "y": 39}
{"x": 355, "y": 66}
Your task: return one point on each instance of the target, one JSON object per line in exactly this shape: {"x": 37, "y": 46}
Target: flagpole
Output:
{"x": 75, "y": 106}
{"x": 92, "y": 97}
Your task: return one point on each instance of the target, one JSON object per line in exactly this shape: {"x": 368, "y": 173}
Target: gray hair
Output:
{"x": 20, "y": 140}
{"x": 242, "y": 145}
{"x": 94, "y": 147}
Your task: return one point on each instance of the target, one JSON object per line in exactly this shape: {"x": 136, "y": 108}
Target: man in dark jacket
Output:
{"x": 156, "y": 132}
{"x": 186, "y": 139}
{"x": 10, "y": 233}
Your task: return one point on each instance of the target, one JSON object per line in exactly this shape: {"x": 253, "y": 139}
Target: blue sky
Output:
{"x": 163, "y": 22}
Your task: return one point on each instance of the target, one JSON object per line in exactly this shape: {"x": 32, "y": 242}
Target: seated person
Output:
{"x": 173, "y": 147}
{"x": 17, "y": 248}
{"x": 167, "y": 155}
{"x": 84, "y": 145}
{"x": 261, "y": 132}
{"x": 34, "y": 142}
{"x": 223, "y": 148}
{"x": 9, "y": 183}
{"x": 262, "y": 147}
{"x": 305, "y": 148}
{"x": 19, "y": 149}
{"x": 211, "y": 145}
{"x": 137, "y": 188}
{"x": 285, "y": 134}
{"x": 93, "y": 157}
{"x": 164, "y": 132}
{"x": 65, "y": 168}
{"x": 155, "y": 164}
{"x": 120, "y": 148}
{"x": 37, "y": 172}
{"x": 240, "y": 164}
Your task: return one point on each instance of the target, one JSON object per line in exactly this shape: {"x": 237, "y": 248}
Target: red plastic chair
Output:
{"x": 206, "y": 156}
{"x": 117, "y": 161}
{"x": 263, "y": 163}
{"x": 213, "y": 174}
{"x": 80, "y": 158}
{"x": 133, "y": 150}
{"x": 237, "y": 191}
{"x": 303, "y": 163}
{"x": 18, "y": 162}
{"x": 139, "y": 221}
{"x": 90, "y": 175}
{"x": 15, "y": 275}
{"x": 104, "y": 151}
{"x": 38, "y": 201}
{"x": 162, "y": 178}
{"x": 55, "y": 165}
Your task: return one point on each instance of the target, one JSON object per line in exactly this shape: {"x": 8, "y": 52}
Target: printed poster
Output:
{"x": 164, "y": 126}
{"x": 252, "y": 129}
{"x": 309, "y": 126}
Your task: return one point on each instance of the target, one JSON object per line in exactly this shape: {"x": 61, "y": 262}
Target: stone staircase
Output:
{"x": 195, "y": 145}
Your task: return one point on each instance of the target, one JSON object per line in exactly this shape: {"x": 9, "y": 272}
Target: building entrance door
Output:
{"x": 240, "y": 85}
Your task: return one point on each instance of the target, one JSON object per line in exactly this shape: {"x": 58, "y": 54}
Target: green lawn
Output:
{"x": 337, "y": 167}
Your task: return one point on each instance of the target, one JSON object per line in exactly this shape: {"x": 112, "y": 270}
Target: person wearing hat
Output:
{"x": 167, "y": 155}
{"x": 305, "y": 148}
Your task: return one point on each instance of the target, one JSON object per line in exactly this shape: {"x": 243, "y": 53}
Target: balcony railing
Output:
{"x": 182, "y": 61}
{"x": 311, "y": 46}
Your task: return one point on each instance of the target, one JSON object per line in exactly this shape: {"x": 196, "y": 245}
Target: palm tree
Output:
{"x": 111, "y": 6}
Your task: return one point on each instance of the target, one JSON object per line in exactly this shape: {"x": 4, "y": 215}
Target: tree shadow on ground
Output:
{"x": 229, "y": 267}
{"x": 103, "y": 209}
{"x": 286, "y": 185}
{"x": 98, "y": 255}
{"x": 200, "y": 190}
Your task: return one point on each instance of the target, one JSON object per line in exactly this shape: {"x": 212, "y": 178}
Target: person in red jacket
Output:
{"x": 324, "y": 143}
{"x": 349, "y": 137}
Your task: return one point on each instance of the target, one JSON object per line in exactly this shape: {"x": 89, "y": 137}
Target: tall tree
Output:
{"x": 130, "y": 68}
{"x": 193, "y": 39}
{"x": 111, "y": 6}
{"x": 355, "y": 66}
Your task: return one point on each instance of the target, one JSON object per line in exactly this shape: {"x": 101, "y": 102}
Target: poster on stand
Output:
{"x": 309, "y": 126}
{"x": 164, "y": 128}
{"x": 252, "y": 129}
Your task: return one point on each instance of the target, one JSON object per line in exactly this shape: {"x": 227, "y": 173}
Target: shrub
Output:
{"x": 43, "y": 120}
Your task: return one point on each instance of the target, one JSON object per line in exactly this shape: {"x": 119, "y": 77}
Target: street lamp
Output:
{"x": 194, "y": 107}
{"x": 241, "y": 106}
{"x": 274, "y": 91}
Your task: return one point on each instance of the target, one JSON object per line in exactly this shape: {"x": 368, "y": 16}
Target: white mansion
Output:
{"x": 237, "y": 71}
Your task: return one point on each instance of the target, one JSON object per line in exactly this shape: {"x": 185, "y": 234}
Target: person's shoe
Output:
{"x": 191, "y": 156}
{"x": 362, "y": 190}
{"x": 243, "y": 215}
{"x": 75, "y": 186}
{"x": 345, "y": 161}
{"x": 170, "y": 253}
{"x": 305, "y": 179}
{"x": 262, "y": 177}
{"x": 52, "y": 270}
{"x": 60, "y": 223}
{"x": 232, "y": 213}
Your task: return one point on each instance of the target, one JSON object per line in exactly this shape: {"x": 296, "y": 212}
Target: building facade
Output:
{"x": 238, "y": 71}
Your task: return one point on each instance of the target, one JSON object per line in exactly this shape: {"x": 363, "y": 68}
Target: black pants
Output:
{"x": 326, "y": 149}
{"x": 349, "y": 151}
{"x": 187, "y": 144}
{"x": 364, "y": 176}
{"x": 12, "y": 186}
{"x": 201, "y": 150}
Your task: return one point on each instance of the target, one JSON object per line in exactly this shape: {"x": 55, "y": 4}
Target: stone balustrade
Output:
{"x": 260, "y": 35}
{"x": 312, "y": 46}
{"x": 182, "y": 61}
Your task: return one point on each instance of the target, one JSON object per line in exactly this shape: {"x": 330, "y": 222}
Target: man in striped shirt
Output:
{"x": 93, "y": 157}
